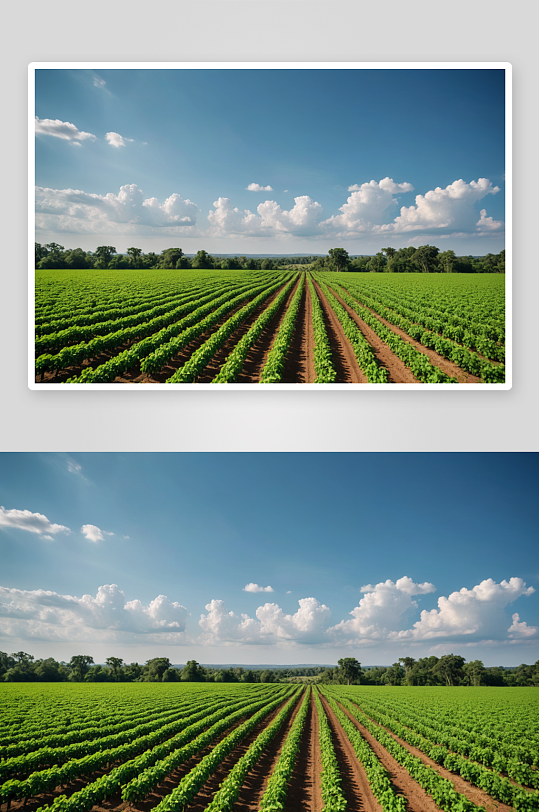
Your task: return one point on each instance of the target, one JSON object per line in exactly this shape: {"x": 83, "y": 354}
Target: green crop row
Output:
{"x": 331, "y": 790}
{"x": 185, "y": 329}
{"x": 188, "y": 787}
{"x": 416, "y": 361}
{"x": 445, "y": 321}
{"x": 275, "y": 362}
{"x": 465, "y": 359}
{"x": 479, "y": 775}
{"x": 75, "y": 333}
{"x": 201, "y": 357}
{"x": 377, "y": 776}
{"x": 199, "y": 736}
{"x": 277, "y": 786}
{"x": 442, "y": 790}
{"x": 99, "y": 755}
{"x": 166, "y": 325}
{"x": 46, "y": 755}
{"x": 107, "y": 785}
{"x": 503, "y": 757}
{"x": 323, "y": 365}
{"x": 224, "y": 799}
{"x": 234, "y": 363}
{"x": 362, "y": 349}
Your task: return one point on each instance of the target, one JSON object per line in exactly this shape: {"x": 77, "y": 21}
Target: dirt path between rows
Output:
{"x": 355, "y": 784}
{"x": 397, "y": 369}
{"x": 474, "y": 794}
{"x": 304, "y": 788}
{"x": 256, "y": 781}
{"x": 208, "y": 790}
{"x": 342, "y": 354}
{"x": 299, "y": 364}
{"x": 446, "y": 366}
{"x": 258, "y": 353}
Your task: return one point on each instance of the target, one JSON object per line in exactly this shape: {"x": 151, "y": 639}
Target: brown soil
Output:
{"x": 446, "y": 366}
{"x": 206, "y": 793}
{"x": 398, "y": 371}
{"x": 256, "y": 781}
{"x": 342, "y": 354}
{"x": 474, "y": 794}
{"x": 299, "y": 364}
{"x": 258, "y": 353}
{"x": 355, "y": 785}
{"x": 304, "y": 793}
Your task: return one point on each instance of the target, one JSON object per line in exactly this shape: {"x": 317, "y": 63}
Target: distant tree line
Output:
{"x": 451, "y": 669}
{"x": 53, "y": 255}
{"x": 424, "y": 259}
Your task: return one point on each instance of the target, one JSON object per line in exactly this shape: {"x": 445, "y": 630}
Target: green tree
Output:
{"x": 169, "y": 257}
{"x": 450, "y": 668}
{"x": 134, "y": 255}
{"x": 474, "y": 671}
{"x": 202, "y": 260}
{"x": 349, "y": 670}
{"x": 448, "y": 261}
{"x": 339, "y": 259}
{"x": 193, "y": 672}
{"x": 157, "y": 667}
{"x": 79, "y": 665}
{"x": 104, "y": 255}
{"x": 426, "y": 258}
{"x": 115, "y": 665}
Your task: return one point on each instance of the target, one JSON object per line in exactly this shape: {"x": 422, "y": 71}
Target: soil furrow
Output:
{"x": 397, "y": 369}
{"x": 446, "y": 366}
{"x": 255, "y": 783}
{"x": 355, "y": 784}
{"x": 304, "y": 788}
{"x": 474, "y": 794}
{"x": 214, "y": 365}
{"x": 342, "y": 354}
{"x": 206, "y": 792}
{"x": 258, "y": 353}
{"x": 299, "y": 364}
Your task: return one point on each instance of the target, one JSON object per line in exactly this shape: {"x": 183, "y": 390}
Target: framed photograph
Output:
{"x": 284, "y": 224}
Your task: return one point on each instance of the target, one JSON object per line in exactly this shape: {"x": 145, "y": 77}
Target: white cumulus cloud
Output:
{"x": 272, "y": 626}
{"x": 479, "y": 612}
{"x": 117, "y": 140}
{"x": 488, "y": 223}
{"x": 256, "y": 588}
{"x": 32, "y": 522}
{"x": 381, "y": 609}
{"x": 62, "y": 129}
{"x": 256, "y": 187}
{"x": 520, "y": 629}
{"x": 128, "y": 212}
{"x": 366, "y": 207}
{"x": 93, "y": 533}
{"x": 45, "y": 615}
{"x": 450, "y": 210}
{"x": 270, "y": 220}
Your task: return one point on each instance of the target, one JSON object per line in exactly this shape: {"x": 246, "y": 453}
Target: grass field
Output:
{"x": 170, "y": 747}
{"x": 168, "y": 326}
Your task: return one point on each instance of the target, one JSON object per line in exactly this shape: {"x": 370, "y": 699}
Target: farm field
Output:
{"x": 216, "y": 747}
{"x": 168, "y": 326}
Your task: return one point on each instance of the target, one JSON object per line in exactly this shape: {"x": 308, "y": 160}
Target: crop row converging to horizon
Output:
{"x": 310, "y": 323}
{"x": 188, "y": 746}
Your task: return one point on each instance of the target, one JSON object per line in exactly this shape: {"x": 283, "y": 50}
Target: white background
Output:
{"x": 268, "y": 30}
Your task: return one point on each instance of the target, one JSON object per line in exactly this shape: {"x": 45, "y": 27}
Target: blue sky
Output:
{"x": 283, "y": 558}
{"x": 359, "y": 158}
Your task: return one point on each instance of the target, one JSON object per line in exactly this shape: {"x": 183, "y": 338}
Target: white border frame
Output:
{"x": 506, "y": 66}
